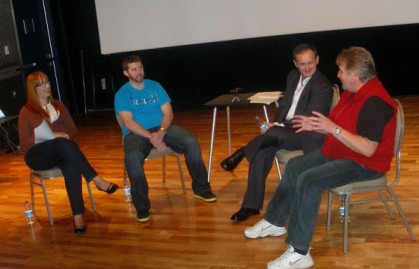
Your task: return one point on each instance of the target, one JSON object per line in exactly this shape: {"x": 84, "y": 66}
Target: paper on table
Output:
{"x": 43, "y": 133}
{"x": 265, "y": 97}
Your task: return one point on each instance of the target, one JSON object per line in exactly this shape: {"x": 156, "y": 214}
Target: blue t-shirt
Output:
{"x": 143, "y": 104}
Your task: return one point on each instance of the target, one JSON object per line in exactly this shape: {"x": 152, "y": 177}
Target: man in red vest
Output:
{"x": 359, "y": 142}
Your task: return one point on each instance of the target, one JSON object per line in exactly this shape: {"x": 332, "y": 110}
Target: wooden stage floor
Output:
{"x": 184, "y": 232}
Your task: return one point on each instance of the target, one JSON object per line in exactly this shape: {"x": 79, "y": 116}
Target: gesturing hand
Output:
{"x": 317, "y": 123}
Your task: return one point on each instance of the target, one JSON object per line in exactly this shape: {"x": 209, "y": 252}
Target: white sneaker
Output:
{"x": 263, "y": 229}
{"x": 291, "y": 260}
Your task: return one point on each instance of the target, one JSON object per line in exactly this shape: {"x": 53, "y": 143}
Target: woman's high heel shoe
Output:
{"x": 79, "y": 229}
{"x": 111, "y": 188}
{"x": 99, "y": 182}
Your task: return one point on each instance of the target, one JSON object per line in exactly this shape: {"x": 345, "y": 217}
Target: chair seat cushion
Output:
{"x": 49, "y": 173}
{"x": 382, "y": 181}
{"x": 154, "y": 153}
{"x": 284, "y": 155}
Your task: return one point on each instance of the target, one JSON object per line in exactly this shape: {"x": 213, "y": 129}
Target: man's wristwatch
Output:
{"x": 163, "y": 130}
{"x": 337, "y": 130}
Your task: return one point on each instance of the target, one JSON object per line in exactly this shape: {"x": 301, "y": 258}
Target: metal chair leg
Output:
{"x": 46, "y": 201}
{"x": 92, "y": 201}
{"x": 402, "y": 215}
{"x": 329, "y": 211}
{"x": 32, "y": 193}
{"x": 164, "y": 168}
{"x": 278, "y": 168}
{"x": 182, "y": 179}
{"x": 384, "y": 200}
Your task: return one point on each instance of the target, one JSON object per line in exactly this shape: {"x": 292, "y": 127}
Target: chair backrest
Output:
{"x": 398, "y": 140}
{"x": 336, "y": 96}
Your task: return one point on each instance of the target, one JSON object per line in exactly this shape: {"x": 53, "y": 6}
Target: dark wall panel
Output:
{"x": 33, "y": 31}
{"x": 38, "y": 43}
{"x": 12, "y": 93}
{"x": 9, "y": 49}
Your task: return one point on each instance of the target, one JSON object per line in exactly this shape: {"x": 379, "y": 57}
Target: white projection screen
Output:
{"x": 131, "y": 25}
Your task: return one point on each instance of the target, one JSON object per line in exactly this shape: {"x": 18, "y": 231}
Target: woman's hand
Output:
{"x": 61, "y": 134}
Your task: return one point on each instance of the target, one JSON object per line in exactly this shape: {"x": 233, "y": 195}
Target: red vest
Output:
{"x": 345, "y": 114}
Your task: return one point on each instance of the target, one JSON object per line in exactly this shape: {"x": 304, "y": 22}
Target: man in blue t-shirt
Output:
{"x": 144, "y": 109}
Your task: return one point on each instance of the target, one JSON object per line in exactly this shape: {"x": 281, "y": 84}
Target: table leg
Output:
{"x": 5, "y": 134}
{"x": 214, "y": 118}
{"x": 228, "y": 130}
{"x": 265, "y": 111}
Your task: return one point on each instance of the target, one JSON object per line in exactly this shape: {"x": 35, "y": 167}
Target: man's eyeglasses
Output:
{"x": 43, "y": 84}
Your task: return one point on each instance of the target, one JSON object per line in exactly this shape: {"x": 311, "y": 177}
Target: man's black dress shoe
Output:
{"x": 233, "y": 160}
{"x": 244, "y": 214}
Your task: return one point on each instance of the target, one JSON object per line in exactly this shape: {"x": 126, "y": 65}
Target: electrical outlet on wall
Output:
{"x": 103, "y": 83}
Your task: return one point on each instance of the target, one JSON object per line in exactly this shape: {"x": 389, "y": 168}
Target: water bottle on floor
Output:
{"x": 30, "y": 218}
{"x": 342, "y": 209}
{"x": 127, "y": 191}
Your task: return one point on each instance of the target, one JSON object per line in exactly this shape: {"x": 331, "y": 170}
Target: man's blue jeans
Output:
{"x": 299, "y": 193}
{"x": 178, "y": 139}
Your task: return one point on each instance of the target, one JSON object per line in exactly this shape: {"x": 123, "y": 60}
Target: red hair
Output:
{"x": 32, "y": 81}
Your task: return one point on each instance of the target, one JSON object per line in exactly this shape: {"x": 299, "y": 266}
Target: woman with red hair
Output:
{"x": 46, "y": 133}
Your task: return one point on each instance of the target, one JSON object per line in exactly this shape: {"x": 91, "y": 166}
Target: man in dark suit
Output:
{"x": 307, "y": 90}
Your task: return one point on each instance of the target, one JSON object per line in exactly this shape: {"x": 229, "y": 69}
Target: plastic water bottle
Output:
{"x": 262, "y": 126}
{"x": 30, "y": 218}
{"x": 127, "y": 191}
{"x": 342, "y": 209}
